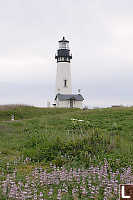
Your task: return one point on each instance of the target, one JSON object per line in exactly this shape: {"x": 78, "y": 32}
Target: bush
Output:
{"x": 41, "y": 146}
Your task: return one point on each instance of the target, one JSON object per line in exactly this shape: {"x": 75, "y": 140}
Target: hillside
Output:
{"x": 65, "y": 137}
{"x": 112, "y": 122}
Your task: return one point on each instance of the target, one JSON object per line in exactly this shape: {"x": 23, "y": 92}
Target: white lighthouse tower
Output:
{"x": 63, "y": 75}
{"x": 64, "y": 96}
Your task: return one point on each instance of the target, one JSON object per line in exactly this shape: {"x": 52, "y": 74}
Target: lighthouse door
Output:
{"x": 71, "y": 103}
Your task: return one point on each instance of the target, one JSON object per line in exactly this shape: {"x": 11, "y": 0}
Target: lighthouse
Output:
{"x": 63, "y": 75}
{"x": 64, "y": 96}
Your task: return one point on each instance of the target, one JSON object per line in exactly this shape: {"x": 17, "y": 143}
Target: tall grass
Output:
{"x": 48, "y": 135}
{"x": 44, "y": 136}
{"x": 79, "y": 145}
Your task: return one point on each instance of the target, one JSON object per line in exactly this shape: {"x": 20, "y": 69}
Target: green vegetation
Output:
{"x": 50, "y": 135}
{"x": 65, "y": 137}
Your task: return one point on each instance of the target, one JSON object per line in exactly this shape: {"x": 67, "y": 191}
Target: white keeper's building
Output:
{"x": 64, "y": 97}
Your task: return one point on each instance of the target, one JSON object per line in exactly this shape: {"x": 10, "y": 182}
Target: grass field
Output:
{"x": 50, "y": 153}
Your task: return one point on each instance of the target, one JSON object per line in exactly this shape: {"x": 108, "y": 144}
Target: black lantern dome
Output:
{"x": 63, "y": 53}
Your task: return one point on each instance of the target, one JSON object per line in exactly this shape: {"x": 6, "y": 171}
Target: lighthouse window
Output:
{"x": 63, "y": 45}
{"x": 65, "y": 83}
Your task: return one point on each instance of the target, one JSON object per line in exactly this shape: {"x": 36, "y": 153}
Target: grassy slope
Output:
{"x": 50, "y": 124}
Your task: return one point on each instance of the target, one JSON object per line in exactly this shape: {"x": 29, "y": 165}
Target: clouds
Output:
{"x": 23, "y": 68}
{"x": 101, "y": 40}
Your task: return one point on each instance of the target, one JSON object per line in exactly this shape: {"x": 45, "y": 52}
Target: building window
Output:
{"x": 65, "y": 83}
{"x": 71, "y": 103}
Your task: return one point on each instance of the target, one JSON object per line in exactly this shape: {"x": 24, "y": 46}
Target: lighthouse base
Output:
{"x": 68, "y": 101}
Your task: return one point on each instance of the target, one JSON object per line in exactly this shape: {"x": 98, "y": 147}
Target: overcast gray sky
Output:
{"x": 101, "y": 41}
